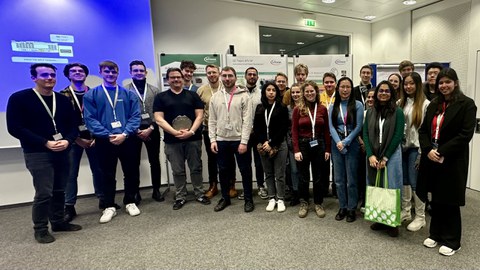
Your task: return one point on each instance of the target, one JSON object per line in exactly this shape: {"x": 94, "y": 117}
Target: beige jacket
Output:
{"x": 234, "y": 124}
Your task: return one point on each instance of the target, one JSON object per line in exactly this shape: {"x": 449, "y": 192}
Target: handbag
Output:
{"x": 382, "y": 204}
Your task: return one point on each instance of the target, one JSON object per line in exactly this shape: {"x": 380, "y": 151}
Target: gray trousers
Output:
{"x": 177, "y": 153}
{"x": 274, "y": 169}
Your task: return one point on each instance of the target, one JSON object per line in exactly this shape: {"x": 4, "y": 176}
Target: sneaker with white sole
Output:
{"x": 271, "y": 205}
{"x": 108, "y": 214}
{"x": 132, "y": 209}
{"x": 446, "y": 251}
{"x": 416, "y": 224}
{"x": 262, "y": 192}
{"x": 281, "y": 206}
{"x": 430, "y": 243}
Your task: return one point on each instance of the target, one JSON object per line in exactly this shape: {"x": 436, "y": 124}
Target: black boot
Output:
{"x": 157, "y": 195}
{"x": 70, "y": 213}
{"x": 295, "y": 199}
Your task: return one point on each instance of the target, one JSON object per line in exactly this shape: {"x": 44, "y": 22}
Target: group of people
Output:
{"x": 417, "y": 134}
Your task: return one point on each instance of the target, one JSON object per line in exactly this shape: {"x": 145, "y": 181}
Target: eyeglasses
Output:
{"x": 76, "y": 71}
{"x": 108, "y": 71}
{"x": 47, "y": 75}
{"x": 384, "y": 91}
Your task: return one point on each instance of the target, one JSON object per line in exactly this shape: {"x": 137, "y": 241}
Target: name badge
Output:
{"x": 57, "y": 137}
{"x": 145, "y": 116}
{"x": 82, "y": 128}
{"x": 116, "y": 124}
{"x": 228, "y": 126}
{"x": 313, "y": 143}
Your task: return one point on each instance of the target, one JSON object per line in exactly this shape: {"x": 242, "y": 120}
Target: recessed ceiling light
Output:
{"x": 370, "y": 17}
{"x": 409, "y": 2}
{"x": 266, "y": 35}
{"x": 328, "y": 1}
{"x": 300, "y": 43}
{"x": 319, "y": 36}
{"x": 282, "y": 50}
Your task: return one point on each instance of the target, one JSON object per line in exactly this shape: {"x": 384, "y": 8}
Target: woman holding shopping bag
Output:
{"x": 382, "y": 135}
{"x": 444, "y": 137}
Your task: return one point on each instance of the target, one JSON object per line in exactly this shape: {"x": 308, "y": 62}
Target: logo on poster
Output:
{"x": 275, "y": 62}
{"x": 209, "y": 59}
{"x": 340, "y": 62}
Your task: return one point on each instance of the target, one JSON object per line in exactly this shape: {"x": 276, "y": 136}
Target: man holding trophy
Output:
{"x": 180, "y": 113}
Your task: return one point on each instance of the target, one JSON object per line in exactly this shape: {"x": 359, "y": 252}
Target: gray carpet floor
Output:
{"x": 196, "y": 237}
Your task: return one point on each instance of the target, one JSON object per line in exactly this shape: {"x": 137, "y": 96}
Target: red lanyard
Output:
{"x": 437, "y": 123}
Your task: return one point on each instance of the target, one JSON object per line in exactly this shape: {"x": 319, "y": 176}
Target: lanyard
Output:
{"x": 329, "y": 101}
{"x": 76, "y": 100}
{"x": 142, "y": 99}
{"x": 380, "y": 127}
{"x": 344, "y": 119}
{"x": 438, "y": 122}
{"x": 190, "y": 87}
{"x": 267, "y": 120}
{"x": 312, "y": 120}
{"x": 114, "y": 103}
{"x": 227, "y": 103}
{"x": 54, "y": 107}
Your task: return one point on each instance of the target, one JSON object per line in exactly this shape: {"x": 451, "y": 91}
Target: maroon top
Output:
{"x": 302, "y": 127}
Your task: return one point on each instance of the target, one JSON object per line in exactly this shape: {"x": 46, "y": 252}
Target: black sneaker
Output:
{"x": 204, "y": 200}
{"x": 44, "y": 237}
{"x": 249, "y": 206}
{"x": 178, "y": 204}
{"x": 66, "y": 227}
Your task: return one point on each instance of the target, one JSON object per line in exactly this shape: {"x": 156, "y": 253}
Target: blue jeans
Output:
{"x": 394, "y": 172}
{"x": 227, "y": 150}
{"x": 71, "y": 188}
{"x": 345, "y": 168}
{"x": 409, "y": 156}
{"x": 275, "y": 172}
{"x": 49, "y": 171}
{"x": 177, "y": 153}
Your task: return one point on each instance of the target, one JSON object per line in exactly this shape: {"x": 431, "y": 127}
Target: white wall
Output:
{"x": 210, "y": 26}
{"x": 391, "y": 39}
{"x": 473, "y": 87}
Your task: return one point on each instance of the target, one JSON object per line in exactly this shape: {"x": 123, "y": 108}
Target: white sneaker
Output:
{"x": 132, "y": 209}
{"x": 430, "y": 243}
{"x": 416, "y": 224}
{"x": 446, "y": 251}
{"x": 271, "y": 205}
{"x": 281, "y": 206}
{"x": 108, "y": 214}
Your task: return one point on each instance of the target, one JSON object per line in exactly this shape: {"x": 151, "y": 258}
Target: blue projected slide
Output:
{"x": 65, "y": 31}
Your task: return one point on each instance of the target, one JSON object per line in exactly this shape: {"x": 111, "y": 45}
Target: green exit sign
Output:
{"x": 310, "y": 22}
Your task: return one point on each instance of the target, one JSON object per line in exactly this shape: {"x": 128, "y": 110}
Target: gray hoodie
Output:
{"x": 240, "y": 115}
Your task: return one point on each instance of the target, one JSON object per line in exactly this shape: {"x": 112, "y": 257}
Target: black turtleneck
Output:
{"x": 140, "y": 84}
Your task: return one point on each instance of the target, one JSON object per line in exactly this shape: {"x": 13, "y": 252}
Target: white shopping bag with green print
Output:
{"x": 382, "y": 205}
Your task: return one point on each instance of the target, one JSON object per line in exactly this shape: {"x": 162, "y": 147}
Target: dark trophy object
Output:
{"x": 181, "y": 122}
